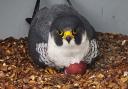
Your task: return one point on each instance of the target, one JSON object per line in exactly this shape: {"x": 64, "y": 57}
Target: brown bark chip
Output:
{"x": 110, "y": 71}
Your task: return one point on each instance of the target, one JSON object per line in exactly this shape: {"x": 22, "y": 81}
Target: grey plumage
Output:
{"x": 40, "y": 29}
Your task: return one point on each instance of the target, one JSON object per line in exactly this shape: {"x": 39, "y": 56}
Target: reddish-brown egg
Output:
{"x": 76, "y": 68}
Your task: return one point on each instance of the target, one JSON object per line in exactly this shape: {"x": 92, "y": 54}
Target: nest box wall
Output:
{"x": 12, "y": 17}
{"x": 104, "y": 15}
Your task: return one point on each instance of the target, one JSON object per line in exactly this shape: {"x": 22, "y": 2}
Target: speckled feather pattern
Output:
{"x": 93, "y": 52}
{"x": 41, "y": 48}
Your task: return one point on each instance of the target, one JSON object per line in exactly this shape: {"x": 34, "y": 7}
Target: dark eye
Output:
{"x": 60, "y": 32}
{"x": 74, "y": 31}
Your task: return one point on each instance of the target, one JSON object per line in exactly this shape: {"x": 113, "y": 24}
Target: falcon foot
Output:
{"x": 50, "y": 70}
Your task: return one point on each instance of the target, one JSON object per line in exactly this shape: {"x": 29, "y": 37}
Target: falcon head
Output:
{"x": 67, "y": 30}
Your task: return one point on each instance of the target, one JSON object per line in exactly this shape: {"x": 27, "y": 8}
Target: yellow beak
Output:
{"x": 68, "y": 36}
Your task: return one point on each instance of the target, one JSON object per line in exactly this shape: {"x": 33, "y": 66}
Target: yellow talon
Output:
{"x": 50, "y": 70}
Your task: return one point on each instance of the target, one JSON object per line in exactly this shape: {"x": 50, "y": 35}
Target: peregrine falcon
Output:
{"x": 60, "y": 36}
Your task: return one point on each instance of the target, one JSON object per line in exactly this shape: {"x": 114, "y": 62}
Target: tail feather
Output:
{"x": 37, "y": 6}
{"x": 69, "y": 2}
{"x": 36, "y": 9}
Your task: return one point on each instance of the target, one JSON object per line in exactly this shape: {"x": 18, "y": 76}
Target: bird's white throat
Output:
{"x": 67, "y": 53}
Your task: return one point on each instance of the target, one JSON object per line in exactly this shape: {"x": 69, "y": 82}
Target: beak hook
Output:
{"x": 68, "y": 38}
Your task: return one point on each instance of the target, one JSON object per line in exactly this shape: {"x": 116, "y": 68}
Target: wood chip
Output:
{"x": 109, "y": 72}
